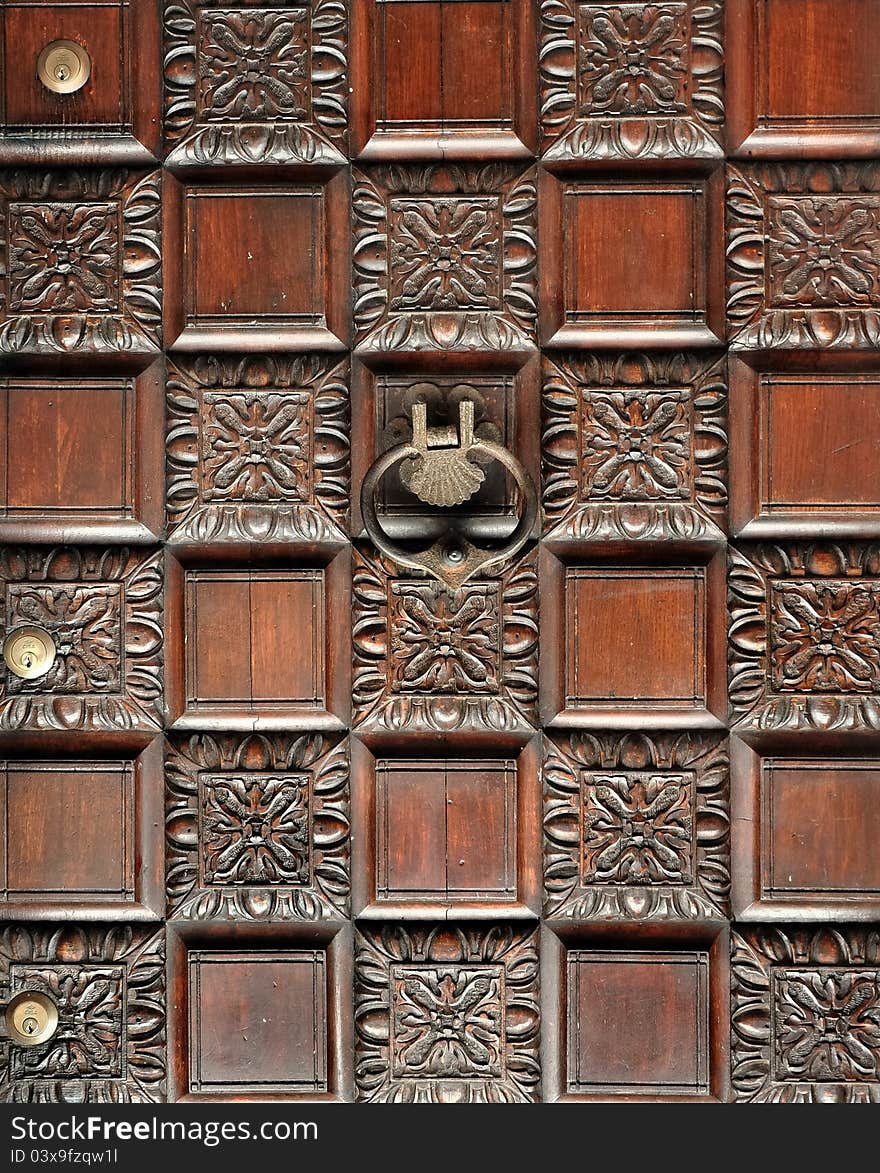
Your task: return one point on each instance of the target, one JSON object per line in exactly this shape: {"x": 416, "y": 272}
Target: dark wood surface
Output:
{"x": 286, "y": 821}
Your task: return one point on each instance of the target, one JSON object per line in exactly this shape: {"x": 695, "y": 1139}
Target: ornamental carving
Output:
{"x": 805, "y": 1015}
{"x": 631, "y": 81}
{"x": 257, "y": 828}
{"x": 103, "y": 609}
{"x": 447, "y": 1014}
{"x": 83, "y": 258}
{"x": 253, "y": 85}
{"x": 432, "y": 659}
{"x": 63, "y": 257}
{"x": 445, "y": 258}
{"x": 803, "y": 256}
{"x": 257, "y": 449}
{"x": 253, "y": 64}
{"x": 636, "y": 827}
{"x": 109, "y": 985}
{"x": 634, "y": 447}
{"x": 804, "y": 636}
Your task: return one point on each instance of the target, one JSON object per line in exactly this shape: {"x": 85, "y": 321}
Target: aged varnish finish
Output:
{"x": 286, "y": 819}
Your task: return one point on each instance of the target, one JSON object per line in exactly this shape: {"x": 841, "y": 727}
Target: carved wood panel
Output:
{"x": 418, "y": 844}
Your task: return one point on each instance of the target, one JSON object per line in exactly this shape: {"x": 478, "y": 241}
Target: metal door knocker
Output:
{"x": 441, "y": 470}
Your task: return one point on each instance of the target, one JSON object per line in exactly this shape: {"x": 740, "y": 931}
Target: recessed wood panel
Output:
{"x": 806, "y": 449}
{"x": 635, "y": 637}
{"x": 113, "y": 116}
{"x": 802, "y": 77}
{"x": 69, "y": 831}
{"x": 422, "y": 91}
{"x": 258, "y": 266}
{"x": 630, "y": 260}
{"x": 258, "y": 1022}
{"x": 446, "y": 830}
{"x": 255, "y": 639}
{"x": 638, "y": 1023}
{"x": 807, "y": 829}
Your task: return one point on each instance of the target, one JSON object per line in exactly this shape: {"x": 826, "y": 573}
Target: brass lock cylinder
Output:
{"x": 64, "y": 67}
{"x": 31, "y": 1018}
{"x": 29, "y": 652}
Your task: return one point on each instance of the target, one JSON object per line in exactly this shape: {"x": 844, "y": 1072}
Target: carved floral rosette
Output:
{"x": 256, "y": 86}
{"x": 257, "y": 449}
{"x": 445, "y": 258}
{"x": 803, "y": 256}
{"x": 804, "y": 637}
{"x": 634, "y": 447}
{"x": 109, "y": 985}
{"x": 637, "y": 827}
{"x": 631, "y": 81}
{"x": 447, "y": 1014}
{"x": 805, "y": 1015}
{"x": 83, "y": 258}
{"x": 103, "y": 609}
{"x": 257, "y": 828}
{"x": 433, "y": 660}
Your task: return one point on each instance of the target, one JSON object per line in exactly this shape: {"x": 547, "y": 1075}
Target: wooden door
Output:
{"x": 283, "y": 819}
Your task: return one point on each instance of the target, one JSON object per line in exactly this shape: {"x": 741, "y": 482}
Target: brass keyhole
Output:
{"x": 64, "y": 67}
{"x": 31, "y": 1018}
{"x": 29, "y": 652}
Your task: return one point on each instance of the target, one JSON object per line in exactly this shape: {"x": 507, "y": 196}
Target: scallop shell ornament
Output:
{"x": 443, "y": 477}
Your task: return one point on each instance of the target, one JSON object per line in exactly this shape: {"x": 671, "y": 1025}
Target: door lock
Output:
{"x": 64, "y": 67}
{"x": 441, "y": 469}
{"x": 31, "y": 1018}
{"x": 29, "y": 652}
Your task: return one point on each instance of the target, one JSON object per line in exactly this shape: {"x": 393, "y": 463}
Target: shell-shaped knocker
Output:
{"x": 442, "y": 473}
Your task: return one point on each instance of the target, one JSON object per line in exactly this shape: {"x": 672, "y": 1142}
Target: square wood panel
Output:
{"x": 806, "y": 830}
{"x": 428, "y": 660}
{"x": 257, "y": 450}
{"x": 405, "y": 978}
{"x": 108, "y": 982}
{"x": 787, "y": 985}
{"x": 631, "y": 82}
{"x": 258, "y": 645}
{"x": 804, "y": 638}
{"x": 257, "y": 827}
{"x": 639, "y": 1020}
{"x": 446, "y": 835}
{"x": 806, "y": 445}
{"x": 445, "y": 259}
{"x": 633, "y": 448}
{"x": 103, "y": 609}
{"x": 505, "y": 412}
{"x": 55, "y": 479}
{"x": 78, "y": 837}
{"x": 633, "y": 642}
{"x": 254, "y": 84}
{"x": 629, "y": 262}
{"x": 112, "y": 118}
{"x": 803, "y": 256}
{"x": 815, "y": 93}
{"x": 422, "y": 92}
{"x": 636, "y": 828}
{"x": 259, "y": 1015}
{"x": 258, "y": 267}
{"x": 82, "y": 265}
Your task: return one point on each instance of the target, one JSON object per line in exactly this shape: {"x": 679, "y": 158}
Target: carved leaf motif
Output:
{"x": 257, "y": 828}
{"x": 104, "y": 611}
{"x": 84, "y": 261}
{"x": 109, "y": 985}
{"x": 256, "y": 85}
{"x": 447, "y": 1014}
{"x": 805, "y": 1015}
{"x": 636, "y": 827}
